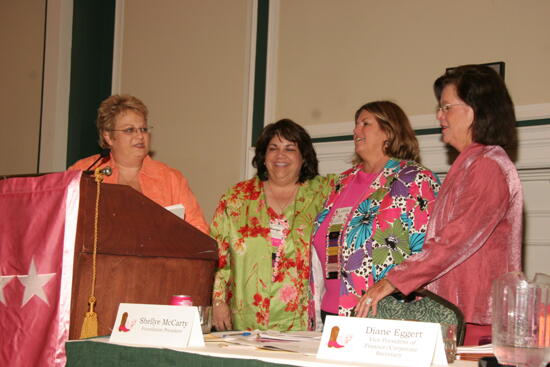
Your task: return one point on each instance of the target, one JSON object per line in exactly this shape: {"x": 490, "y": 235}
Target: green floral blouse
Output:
{"x": 263, "y": 293}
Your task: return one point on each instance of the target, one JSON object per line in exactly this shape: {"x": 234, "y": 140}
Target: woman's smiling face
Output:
{"x": 283, "y": 159}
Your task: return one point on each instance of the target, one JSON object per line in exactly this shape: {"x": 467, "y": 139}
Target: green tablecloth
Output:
{"x": 94, "y": 354}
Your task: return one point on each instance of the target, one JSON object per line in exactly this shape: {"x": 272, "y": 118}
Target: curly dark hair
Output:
{"x": 293, "y": 132}
{"x": 481, "y": 88}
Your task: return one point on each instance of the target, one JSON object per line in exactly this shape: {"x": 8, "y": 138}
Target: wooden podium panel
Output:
{"x": 145, "y": 255}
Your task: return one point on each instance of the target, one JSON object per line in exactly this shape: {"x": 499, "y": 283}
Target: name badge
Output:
{"x": 277, "y": 229}
{"x": 387, "y": 342}
{"x": 340, "y": 215}
{"x": 158, "y": 325}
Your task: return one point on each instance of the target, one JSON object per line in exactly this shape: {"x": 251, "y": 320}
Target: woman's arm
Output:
{"x": 471, "y": 214}
{"x": 219, "y": 231}
{"x": 419, "y": 205}
{"x": 466, "y": 222}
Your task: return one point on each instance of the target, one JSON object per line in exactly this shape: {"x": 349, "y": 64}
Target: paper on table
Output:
{"x": 481, "y": 349}
{"x": 290, "y": 336}
{"x": 306, "y": 347}
{"x": 303, "y": 342}
{"x": 474, "y": 352}
{"x": 177, "y": 209}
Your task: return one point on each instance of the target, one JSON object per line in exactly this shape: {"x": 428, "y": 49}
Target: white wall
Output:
{"x": 329, "y": 57}
{"x": 22, "y": 40}
{"x": 189, "y": 62}
{"x": 57, "y": 74}
{"x": 34, "y": 96}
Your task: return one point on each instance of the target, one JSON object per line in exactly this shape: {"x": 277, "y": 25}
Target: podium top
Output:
{"x": 131, "y": 224}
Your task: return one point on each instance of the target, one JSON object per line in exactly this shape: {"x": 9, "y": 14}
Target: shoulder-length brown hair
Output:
{"x": 481, "y": 88}
{"x": 402, "y": 142}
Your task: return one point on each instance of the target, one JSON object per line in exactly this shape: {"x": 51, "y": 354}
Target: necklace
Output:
{"x": 280, "y": 230}
{"x": 280, "y": 206}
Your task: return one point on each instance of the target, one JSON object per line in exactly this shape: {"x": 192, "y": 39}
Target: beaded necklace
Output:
{"x": 280, "y": 228}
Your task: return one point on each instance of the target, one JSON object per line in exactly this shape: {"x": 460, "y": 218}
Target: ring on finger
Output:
{"x": 368, "y": 301}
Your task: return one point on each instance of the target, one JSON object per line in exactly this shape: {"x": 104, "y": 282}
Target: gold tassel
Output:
{"x": 89, "y": 326}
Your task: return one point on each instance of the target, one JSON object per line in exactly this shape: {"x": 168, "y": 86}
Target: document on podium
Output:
{"x": 177, "y": 209}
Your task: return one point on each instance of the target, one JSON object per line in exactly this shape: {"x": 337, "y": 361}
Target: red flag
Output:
{"x": 38, "y": 219}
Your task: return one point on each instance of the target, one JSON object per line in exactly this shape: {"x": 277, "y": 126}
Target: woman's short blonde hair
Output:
{"x": 114, "y": 106}
{"x": 402, "y": 142}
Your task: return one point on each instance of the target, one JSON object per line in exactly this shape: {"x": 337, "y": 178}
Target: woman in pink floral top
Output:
{"x": 377, "y": 214}
{"x": 263, "y": 228}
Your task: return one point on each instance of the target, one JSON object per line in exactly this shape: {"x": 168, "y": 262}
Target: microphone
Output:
{"x": 107, "y": 171}
{"x": 104, "y": 153}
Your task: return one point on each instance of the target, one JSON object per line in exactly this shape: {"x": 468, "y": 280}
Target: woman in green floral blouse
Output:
{"x": 263, "y": 228}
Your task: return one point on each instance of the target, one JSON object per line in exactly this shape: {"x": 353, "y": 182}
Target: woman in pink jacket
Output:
{"x": 475, "y": 230}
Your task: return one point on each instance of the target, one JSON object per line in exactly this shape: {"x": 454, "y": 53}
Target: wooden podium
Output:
{"x": 145, "y": 255}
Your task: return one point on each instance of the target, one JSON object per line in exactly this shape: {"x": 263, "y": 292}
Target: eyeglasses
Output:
{"x": 134, "y": 130}
{"x": 447, "y": 107}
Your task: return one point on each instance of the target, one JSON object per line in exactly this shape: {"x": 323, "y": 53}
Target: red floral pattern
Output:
{"x": 261, "y": 297}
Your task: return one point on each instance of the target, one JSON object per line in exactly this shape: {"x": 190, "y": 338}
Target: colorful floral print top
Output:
{"x": 259, "y": 296}
{"x": 385, "y": 226}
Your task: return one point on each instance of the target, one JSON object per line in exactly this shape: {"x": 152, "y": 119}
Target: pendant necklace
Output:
{"x": 279, "y": 236}
{"x": 281, "y": 208}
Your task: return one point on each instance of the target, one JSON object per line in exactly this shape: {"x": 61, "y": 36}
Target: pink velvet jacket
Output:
{"x": 474, "y": 233}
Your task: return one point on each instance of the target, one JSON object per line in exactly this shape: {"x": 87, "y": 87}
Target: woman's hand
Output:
{"x": 221, "y": 316}
{"x": 370, "y": 299}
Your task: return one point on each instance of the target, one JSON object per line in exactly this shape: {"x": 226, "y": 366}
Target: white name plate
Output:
{"x": 158, "y": 325}
{"x": 389, "y": 342}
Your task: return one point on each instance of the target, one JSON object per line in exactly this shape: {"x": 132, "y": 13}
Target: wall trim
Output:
{"x": 249, "y": 89}
{"x": 532, "y": 175}
{"x": 91, "y": 73}
{"x": 118, "y": 47}
{"x": 260, "y": 67}
{"x": 541, "y": 242}
{"x": 533, "y": 159}
{"x": 55, "y": 93}
{"x": 537, "y": 238}
{"x": 425, "y": 122}
{"x": 543, "y": 213}
{"x": 272, "y": 64}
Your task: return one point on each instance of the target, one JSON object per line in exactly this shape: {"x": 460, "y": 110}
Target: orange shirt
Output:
{"x": 160, "y": 183}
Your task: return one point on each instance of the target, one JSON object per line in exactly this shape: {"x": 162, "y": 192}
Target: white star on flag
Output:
{"x": 38, "y": 221}
{"x": 4, "y": 280}
{"x": 33, "y": 284}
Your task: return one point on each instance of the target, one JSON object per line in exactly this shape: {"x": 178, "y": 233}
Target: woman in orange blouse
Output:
{"x": 122, "y": 127}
